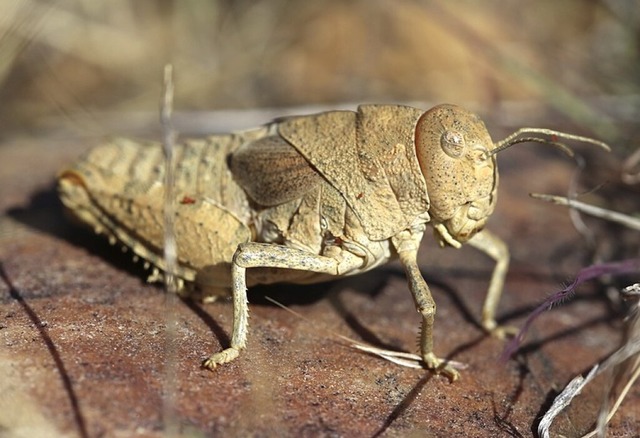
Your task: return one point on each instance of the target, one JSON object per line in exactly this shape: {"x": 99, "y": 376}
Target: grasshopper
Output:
{"x": 305, "y": 199}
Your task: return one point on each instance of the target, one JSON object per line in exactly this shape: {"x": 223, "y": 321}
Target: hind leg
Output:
{"x": 261, "y": 255}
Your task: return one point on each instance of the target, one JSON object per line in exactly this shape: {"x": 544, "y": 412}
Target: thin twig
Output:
{"x": 169, "y": 394}
{"x": 592, "y": 210}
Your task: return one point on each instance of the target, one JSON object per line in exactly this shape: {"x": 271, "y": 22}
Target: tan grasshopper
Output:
{"x": 305, "y": 199}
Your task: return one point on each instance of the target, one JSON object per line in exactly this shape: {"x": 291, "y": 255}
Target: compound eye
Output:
{"x": 453, "y": 144}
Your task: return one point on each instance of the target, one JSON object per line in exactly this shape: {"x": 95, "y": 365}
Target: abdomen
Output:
{"x": 118, "y": 189}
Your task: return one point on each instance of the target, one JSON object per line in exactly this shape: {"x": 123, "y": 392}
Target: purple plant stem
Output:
{"x": 585, "y": 274}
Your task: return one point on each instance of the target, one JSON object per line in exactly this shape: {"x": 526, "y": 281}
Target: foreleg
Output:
{"x": 494, "y": 247}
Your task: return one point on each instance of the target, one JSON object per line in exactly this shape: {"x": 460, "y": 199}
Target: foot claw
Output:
{"x": 499, "y": 331}
{"x": 441, "y": 366}
{"x": 226, "y": 355}
{"x": 504, "y": 331}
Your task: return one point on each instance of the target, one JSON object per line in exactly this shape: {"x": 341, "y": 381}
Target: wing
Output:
{"x": 272, "y": 171}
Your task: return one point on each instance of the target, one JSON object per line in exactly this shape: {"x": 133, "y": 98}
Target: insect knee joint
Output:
{"x": 427, "y": 309}
{"x": 243, "y": 257}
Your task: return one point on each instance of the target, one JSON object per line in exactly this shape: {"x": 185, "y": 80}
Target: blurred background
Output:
{"x": 94, "y": 68}
{"x": 75, "y": 71}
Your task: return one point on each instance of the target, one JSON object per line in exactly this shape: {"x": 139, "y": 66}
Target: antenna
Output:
{"x": 554, "y": 136}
